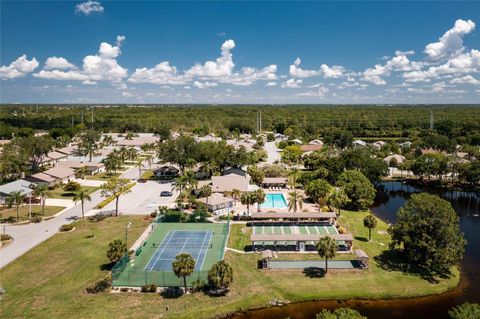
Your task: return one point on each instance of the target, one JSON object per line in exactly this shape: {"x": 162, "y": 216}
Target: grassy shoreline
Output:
{"x": 55, "y": 274}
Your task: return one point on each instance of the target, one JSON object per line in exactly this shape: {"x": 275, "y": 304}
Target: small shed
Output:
{"x": 362, "y": 257}
{"x": 267, "y": 255}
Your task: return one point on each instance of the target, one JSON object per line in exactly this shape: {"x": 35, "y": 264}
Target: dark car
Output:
{"x": 166, "y": 194}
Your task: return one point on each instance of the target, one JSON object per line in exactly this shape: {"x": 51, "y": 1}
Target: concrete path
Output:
{"x": 90, "y": 182}
{"x": 25, "y": 237}
{"x": 272, "y": 152}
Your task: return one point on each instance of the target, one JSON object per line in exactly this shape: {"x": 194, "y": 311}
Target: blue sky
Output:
{"x": 239, "y": 52}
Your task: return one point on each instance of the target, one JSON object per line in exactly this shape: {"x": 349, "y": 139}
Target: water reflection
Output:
{"x": 391, "y": 196}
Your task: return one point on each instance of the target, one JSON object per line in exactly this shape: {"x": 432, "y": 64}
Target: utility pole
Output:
{"x": 72, "y": 121}
{"x": 431, "y": 120}
{"x": 260, "y": 121}
{"x": 82, "y": 117}
{"x": 92, "y": 115}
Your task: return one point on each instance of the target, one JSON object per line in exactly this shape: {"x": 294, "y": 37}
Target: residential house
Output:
{"x": 19, "y": 185}
{"x": 359, "y": 143}
{"x": 397, "y": 157}
{"x": 217, "y": 203}
{"x": 166, "y": 172}
{"x": 378, "y": 144}
{"x": 227, "y": 183}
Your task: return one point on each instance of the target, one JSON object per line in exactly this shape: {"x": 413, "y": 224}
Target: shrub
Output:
{"x": 342, "y": 230}
{"x": 153, "y": 214}
{"x": 198, "y": 285}
{"x": 152, "y": 288}
{"x": 36, "y": 219}
{"x": 72, "y": 187}
{"x": 99, "y": 286}
{"x": 124, "y": 289}
{"x": 144, "y": 288}
{"x": 96, "y": 218}
{"x": 282, "y": 144}
{"x": 66, "y": 227}
{"x": 4, "y": 237}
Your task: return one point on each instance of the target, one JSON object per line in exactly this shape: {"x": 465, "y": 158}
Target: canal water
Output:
{"x": 390, "y": 197}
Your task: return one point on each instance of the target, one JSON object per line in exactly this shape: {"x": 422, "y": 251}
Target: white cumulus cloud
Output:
{"x": 451, "y": 42}
{"x": 327, "y": 72}
{"x": 292, "y": 83}
{"x": 18, "y": 68}
{"x": 57, "y": 63}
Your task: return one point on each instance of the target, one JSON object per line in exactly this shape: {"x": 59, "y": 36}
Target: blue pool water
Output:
{"x": 274, "y": 201}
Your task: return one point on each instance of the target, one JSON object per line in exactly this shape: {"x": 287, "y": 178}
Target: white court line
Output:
{"x": 166, "y": 244}
{"x": 326, "y": 229}
{"x": 205, "y": 255}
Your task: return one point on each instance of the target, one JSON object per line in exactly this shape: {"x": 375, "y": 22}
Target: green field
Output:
{"x": 60, "y": 193}
{"x": 132, "y": 272}
{"x": 49, "y": 281}
{"x": 24, "y": 211}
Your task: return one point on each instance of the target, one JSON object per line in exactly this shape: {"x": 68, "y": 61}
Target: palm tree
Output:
{"x": 149, "y": 159}
{"x": 220, "y": 275}
{"x": 248, "y": 199}
{"x": 236, "y": 194}
{"x": 139, "y": 165}
{"x": 81, "y": 172}
{"x": 370, "y": 222}
{"x": 183, "y": 266}
{"x": 41, "y": 191}
{"x": 294, "y": 173}
{"x": 326, "y": 248}
{"x": 108, "y": 140}
{"x": 295, "y": 201}
{"x": 123, "y": 154}
{"x": 259, "y": 198}
{"x": 81, "y": 196}
{"x": 338, "y": 198}
{"x": 206, "y": 191}
{"x": 179, "y": 183}
{"x": 190, "y": 163}
{"x": 16, "y": 198}
{"x": 131, "y": 153}
{"x": 116, "y": 249}
{"x": 190, "y": 179}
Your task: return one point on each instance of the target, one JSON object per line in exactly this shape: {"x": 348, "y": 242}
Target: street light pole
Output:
{"x": 126, "y": 233}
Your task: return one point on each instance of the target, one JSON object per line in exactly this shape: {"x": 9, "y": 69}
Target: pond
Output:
{"x": 391, "y": 196}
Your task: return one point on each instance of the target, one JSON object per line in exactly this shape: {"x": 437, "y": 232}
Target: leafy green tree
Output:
{"x": 115, "y": 187}
{"x": 291, "y": 155}
{"x": 178, "y": 151}
{"x": 183, "y": 266}
{"x": 111, "y": 162}
{"x": 295, "y": 201}
{"x": 340, "y": 313}
{"x": 16, "y": 198}
{"x": 256, "y": 174}
{"x": 370, "y": 222}
{"x": 326, "y": 248}
{"x": 338, "y": 137}
{"x": 116, "y": 249}
{"x": 40, "y": 191}
{"x": 465, "y": 311}
{"x": 317, "y": 189}
{"x": 81, "y": 196}
{"x": 220, "y": 276}
{"x": 428, "y": 230}
{"x": 34, "y": 149}
{"x": 358, "y": 189}
{"x": 81, "y": 172}
{"x": 88, "y": 143}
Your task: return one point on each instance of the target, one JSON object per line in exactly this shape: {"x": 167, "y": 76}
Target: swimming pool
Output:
{"x": 274, "y": 201}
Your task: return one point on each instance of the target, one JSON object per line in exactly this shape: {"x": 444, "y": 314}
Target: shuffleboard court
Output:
{"x": 193, "y": 242}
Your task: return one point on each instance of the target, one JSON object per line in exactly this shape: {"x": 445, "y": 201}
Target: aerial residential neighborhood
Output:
{"x": 240, "y": 160}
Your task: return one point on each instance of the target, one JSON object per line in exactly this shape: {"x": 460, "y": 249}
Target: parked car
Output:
{"x": 166, "y": 194}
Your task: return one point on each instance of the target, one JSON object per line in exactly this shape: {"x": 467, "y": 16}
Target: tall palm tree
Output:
{"x": 179, "y": 183}
{"x": 81, "y": 196}
{"x": 149, "y": 160}
{"x": 326, "y": 247}
{"x": 183, "y": 266}
{"x": 139, "y": 164}
{"x": 370, "y": 222}
{"x": 41, "y": 191}
{"x": 248, "y": 199}
{"x": 293, "y": 174}
{"x": 131, "y": 153}
{"x": 295, "y": 201}
{"x": 338, "y": 198}
{"x": 236, "y": 193}
{"x": 206, "y": 191}
{"x": 123, "y": 154}
{"x": 16, "y": 198}
{"x": 259, "y": 198}
{"x": 111, "y": 163}
{"x": 191, "y": 179}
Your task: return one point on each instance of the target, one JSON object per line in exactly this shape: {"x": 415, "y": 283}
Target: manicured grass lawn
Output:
{"x": 24, "y": 211}
{"x": 239, "y": 236}
{"x": 104, "y": 176}
{"x": 55, "y": 274}
{"x": 60, "y": 193}
{"x": 147, "y": 174}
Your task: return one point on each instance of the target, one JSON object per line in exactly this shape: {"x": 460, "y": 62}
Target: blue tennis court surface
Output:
{"x": 193, "y": 242}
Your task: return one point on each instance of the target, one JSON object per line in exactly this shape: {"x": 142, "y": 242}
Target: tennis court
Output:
{"x": 193, "y": 242}
{"x": 152, "y": 261}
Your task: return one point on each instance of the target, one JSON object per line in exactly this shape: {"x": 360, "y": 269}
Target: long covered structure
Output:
{"x": 330, "y": 217}
{"x": 297, "y": 242}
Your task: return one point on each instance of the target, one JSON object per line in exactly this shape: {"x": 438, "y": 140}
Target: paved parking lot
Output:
{"x": 144, "y": 198}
